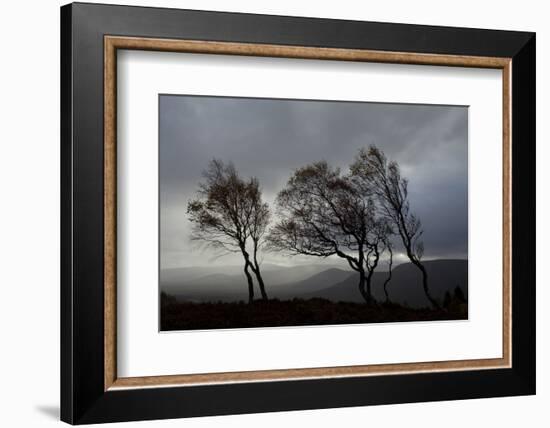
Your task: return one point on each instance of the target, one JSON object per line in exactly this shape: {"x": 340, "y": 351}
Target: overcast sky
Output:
{"x": 270, "y": 138}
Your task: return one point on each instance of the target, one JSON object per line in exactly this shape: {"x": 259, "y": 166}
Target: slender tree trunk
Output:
{"x": 422, "y": 269}
{"x": 386, "y": 288}
{"x": 365, "y": 286}
{"x": 362, "y": 280}
{"x": 260, "y": 280}
{"x": 388, "y": 279}
{"x": 250, "y": 283}
{"x": 371, "y": 269}
{"x": 247, "y": 273}
{"x": 368, "y": 281}
{"x": 364, "y": 283}
{"x": 258, "y": 274}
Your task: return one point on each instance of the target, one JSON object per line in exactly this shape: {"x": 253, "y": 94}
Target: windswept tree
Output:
{"x": 228, "y": 213}
{"x": 257, "y": 227}
{"x": 323, "y": 213}
{"x": 372, "y": 169}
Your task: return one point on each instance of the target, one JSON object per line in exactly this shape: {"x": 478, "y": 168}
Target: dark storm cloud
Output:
{"x": 270, "y": 138}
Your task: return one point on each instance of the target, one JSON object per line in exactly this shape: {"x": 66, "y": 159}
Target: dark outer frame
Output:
{"x": 83, "y": 398}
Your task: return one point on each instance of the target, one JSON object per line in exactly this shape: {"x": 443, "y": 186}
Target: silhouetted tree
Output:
{"x": 227, "y": 212}
{"x": 257, "y": 225}
{"x": 390, "y": 263}
{"x": 372, "y": 169}
{"x": 323, "y": 213}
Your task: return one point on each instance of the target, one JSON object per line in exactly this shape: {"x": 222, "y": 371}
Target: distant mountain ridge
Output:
{"x": 405, "y": 286}
{"x": 275, "y": 274}
{"x": 228, "y": 284}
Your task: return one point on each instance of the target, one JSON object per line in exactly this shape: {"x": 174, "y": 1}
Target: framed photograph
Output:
{"x": 266, "y": 213}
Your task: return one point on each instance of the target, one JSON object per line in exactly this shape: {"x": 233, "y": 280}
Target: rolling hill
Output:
{"x": 311, "y": 281}
{"x": 405, "y": 286}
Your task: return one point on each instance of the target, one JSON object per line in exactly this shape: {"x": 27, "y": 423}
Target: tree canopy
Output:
{"x": 324, "y": 213}
{"x": 371, "y": 169}
{"x": 227, "y": 213}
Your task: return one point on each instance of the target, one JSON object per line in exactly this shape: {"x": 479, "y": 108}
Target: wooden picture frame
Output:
{"x": 91, "y": 390}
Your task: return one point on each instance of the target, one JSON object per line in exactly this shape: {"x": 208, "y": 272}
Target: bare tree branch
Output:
{"x": 372, "y": 169}
{"x": 227, "y": 213}
{"x": 324, "y": 213}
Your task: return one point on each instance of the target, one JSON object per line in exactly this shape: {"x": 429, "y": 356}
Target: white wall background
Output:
{"x": 29, "y": 219}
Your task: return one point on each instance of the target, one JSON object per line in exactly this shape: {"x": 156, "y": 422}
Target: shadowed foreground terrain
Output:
{"x": 178, "y": 315}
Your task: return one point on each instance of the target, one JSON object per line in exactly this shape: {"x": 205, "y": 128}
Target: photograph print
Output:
{"x": 288, "y": 212}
